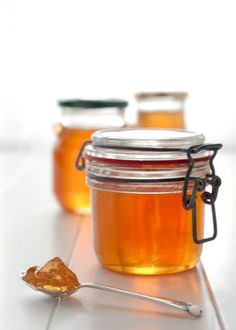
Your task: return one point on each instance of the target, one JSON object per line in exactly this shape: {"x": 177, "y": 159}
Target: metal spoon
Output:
{"x": 192, "y": 309}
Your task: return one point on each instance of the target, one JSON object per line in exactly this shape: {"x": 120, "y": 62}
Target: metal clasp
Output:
{"x": 199, "y": 184}
{"x": 80, "y": 160}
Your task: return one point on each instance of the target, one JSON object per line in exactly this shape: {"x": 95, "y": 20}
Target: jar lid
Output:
{"x": 151, "y": 95}
{"x": 93, "y": 104}
{"x": 146, "y": 138}
{"x": 144, "y": 144}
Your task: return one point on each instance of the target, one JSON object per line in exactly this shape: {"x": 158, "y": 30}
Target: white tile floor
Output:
{"x": 33, "y": 229}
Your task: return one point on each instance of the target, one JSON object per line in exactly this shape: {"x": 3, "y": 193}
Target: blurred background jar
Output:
{"x": 161, "y": 109}
{"x": 79, "y": 119}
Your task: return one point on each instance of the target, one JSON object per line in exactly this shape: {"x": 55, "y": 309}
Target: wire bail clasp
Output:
{"x": 199, "y": 184}
{"x": 80, "y": 160}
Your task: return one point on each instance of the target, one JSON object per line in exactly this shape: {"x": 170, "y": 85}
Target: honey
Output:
{"x": 145, "y": 233}
{"x": 148, "y": 194}
{"x": 54, "y": 276}
{"x": 69, "y": 184}
{"x": 161, "y": 119}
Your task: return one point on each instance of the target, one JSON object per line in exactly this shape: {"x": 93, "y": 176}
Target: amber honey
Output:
{"x": 161, "y": 119}
{"x": 54, "y": 276}
{"x": 145, "y": 233}
{"x": 68, "y": 183}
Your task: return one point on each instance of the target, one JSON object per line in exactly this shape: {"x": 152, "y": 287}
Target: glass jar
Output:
{"x": 148, "y": 190}
{"x": 161, "y": 110}
{"x": 79, "y": 119}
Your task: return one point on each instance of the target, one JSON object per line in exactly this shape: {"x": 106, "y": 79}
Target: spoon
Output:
{"x": 190, "y": 308}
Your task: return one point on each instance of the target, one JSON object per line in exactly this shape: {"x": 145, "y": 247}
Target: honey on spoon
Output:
{"x": 57, "y": 280}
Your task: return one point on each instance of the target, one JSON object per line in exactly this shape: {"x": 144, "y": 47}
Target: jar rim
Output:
{"x": 153, "y": 95}
{"x": 118, "y": 161}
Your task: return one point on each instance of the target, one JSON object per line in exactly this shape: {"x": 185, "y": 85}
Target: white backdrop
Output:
{"x": 50, "y": 49}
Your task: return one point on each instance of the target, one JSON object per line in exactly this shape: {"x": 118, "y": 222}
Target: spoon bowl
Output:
{"x": 51, "y": 293}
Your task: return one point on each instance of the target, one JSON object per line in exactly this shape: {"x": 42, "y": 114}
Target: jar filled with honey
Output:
{"x": 161, "y": 110}
{"x": 148, "y": 192}
{"x": 79, "y": 119}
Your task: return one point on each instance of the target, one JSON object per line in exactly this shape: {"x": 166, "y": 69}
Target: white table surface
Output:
{"x": 33, "y": 229}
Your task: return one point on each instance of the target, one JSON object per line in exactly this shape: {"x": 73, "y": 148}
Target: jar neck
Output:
{"x": 169, "y": 187}
{"x": 92, "y": 118}
{"x": 144, "y": 172}
{"x": 161, "y": 104}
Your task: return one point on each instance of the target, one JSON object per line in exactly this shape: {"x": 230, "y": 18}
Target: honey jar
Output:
{"x": 161, "y": 110}
{"x": 79, "y": 119}
{"x": 148, "y": 192}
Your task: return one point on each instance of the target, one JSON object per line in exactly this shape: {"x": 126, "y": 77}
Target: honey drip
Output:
{"x": 161, "y": 119}
{"x": 69, "y": 184}
{"x": 145, "y": 233}
{"x": 53, "y": 276}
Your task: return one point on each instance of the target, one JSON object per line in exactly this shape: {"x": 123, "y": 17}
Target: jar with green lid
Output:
{"x": 79, "y": 119}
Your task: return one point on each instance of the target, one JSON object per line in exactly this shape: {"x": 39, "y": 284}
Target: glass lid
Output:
{"x": 148, "y": 145}
{"x": 146, "y": 138}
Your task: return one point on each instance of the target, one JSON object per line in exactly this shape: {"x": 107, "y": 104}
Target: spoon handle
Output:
{"x": 193, "y": 309}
